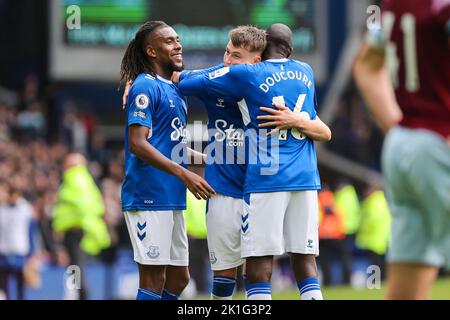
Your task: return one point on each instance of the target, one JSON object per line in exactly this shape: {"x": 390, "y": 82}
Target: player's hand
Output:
{"x": 125, "y": 94}
{"x": 197, "y": 185}
{"x": 281, "y": 118}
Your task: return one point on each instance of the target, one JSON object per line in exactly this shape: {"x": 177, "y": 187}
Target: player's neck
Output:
{"x": 275, "y": 55}
{"x": 163, "y": 72}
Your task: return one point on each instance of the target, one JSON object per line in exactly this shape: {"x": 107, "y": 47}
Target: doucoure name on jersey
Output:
{"x": 282, "y": 76}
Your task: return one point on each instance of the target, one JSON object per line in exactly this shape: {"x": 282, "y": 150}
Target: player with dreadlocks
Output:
{"x": 154, "y": 188}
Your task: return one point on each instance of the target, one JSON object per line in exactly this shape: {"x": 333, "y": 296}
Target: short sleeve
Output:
{"x": 142, "y": 102}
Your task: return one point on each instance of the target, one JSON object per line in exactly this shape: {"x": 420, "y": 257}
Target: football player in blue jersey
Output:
{"x": 154, "y": 188}
{"x": 225, "y": 164}
{"x": 282, "y": 179}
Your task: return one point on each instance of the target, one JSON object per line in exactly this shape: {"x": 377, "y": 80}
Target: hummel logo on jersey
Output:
{"x": 244, "y": 226}
{"x": 220, "y": 103}
{"x": 171, "y": 104}
{"x": 141, "y": 233}
{"x": 310, "y": 242}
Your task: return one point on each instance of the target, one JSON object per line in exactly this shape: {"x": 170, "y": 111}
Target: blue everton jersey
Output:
{"x": 288, "y": 160}
{"x": 225, "y": 154}
{"x": 157, "y": 104}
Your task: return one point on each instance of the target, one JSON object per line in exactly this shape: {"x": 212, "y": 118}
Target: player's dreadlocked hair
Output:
{"x": 135, "y": 60}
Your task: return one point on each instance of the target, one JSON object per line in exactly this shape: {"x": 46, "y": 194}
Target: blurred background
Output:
{"x": 59, "y": 93}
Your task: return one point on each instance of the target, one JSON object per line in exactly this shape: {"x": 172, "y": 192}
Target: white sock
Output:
{"x": 310, "y": 289}
{"x": 259, "y": 291}
{"x": 312, "y": 295}
{"x": 260, "y": 296}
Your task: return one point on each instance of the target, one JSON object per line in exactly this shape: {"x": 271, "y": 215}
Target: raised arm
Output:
{"x": 225, "y": 81}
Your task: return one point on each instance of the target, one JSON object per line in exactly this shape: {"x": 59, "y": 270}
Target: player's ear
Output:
{"x": 151, "y": 52}
{"x": 290, "y": 52}
{"x": 257, "y": 59}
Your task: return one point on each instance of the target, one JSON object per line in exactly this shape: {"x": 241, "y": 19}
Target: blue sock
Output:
{"x": 144, "y": 294}
{"x": 258, "y": 291}
{"x": 223, "y": 288}
{"x": 310, "y": 289}
{"x": 166, "y": 295}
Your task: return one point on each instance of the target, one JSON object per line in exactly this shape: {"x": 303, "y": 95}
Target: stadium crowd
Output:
{"x": 31, "y": 165}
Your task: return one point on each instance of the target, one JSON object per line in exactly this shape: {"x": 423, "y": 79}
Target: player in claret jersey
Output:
{"x": 413, "y": 108}
{"x": 280, "y": 193}
{"x": 154, "y": 192}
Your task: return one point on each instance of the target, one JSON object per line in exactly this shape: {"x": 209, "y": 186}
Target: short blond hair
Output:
{"x": 248, "y": 37}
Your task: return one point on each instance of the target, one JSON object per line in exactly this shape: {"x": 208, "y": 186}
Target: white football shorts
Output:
{"x": 158, "y": 237}
{"x": 223, "y": 222}
{"x": 277, "y": 222}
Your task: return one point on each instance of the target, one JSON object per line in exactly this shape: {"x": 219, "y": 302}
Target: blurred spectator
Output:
{"x": 73, "y": 131}
{"x": 78, "y": 215}
{"x": 30, "y": 91}
{"x": 332, "y": 238}
{"x": 7, "y": 122}
{"x": 114, "y": 222}
{"x": 89, "y": 123}
{"x": 374, "y": 231}
{"x": 355, "y": 135}
{"x": 16, "y": 237}
{"x": 98, "y": 150}
{"x": 31, "y": 121}
{"x": 347, "y": 203}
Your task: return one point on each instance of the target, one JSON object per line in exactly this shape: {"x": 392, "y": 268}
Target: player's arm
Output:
{"x": 372, "y": 80}
{"x": 225, "y": 81}
{"x": 179, "y": 76}
{"x": 284, "y": 118}
{"x": 196, "y": 158}
{"x": 138, "y": 144}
